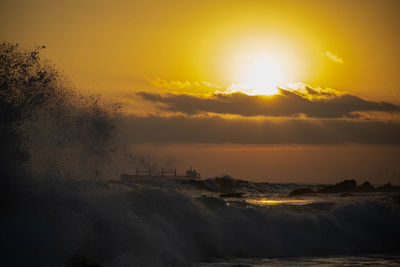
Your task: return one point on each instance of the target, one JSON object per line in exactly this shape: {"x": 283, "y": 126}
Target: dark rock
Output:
{"x": 342, "y": 187}
{"x": 366, "y": 187}
{"x": 301, "y": 191}
{"x": 389, "y": 188}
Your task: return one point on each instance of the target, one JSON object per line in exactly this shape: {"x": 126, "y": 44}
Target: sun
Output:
{"x": 259, "y": 65}
{"x": 259, "y": 74}
{"x": 263, "y": 74}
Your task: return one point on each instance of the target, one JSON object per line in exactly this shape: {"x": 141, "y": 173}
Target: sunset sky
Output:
{"x": 290, "y": 91}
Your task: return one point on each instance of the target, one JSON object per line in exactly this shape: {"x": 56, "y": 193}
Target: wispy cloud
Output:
{"x": 333, "y": 57}
{"x": 173, "y": 84}
{"x": 183, "y": 85}
{"x": 212, "y": 85}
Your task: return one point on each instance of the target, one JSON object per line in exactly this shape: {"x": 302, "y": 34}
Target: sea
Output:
{"x": 166, "y": 221}
{"x": 228, "y": 222}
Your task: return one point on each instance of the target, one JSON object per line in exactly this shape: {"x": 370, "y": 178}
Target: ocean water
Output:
{"x": 266, "y": 227}
{"x": 361, "y": 260}
{"x": 174, "y": 222}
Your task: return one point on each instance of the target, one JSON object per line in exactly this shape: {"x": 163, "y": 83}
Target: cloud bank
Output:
{"x": 308, "y": 102}
{"x": 180, "y": 129}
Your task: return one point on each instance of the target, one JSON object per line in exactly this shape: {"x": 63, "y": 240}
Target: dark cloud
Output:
{"x": 249, "y": 131}
{"x": 312, "y": 103}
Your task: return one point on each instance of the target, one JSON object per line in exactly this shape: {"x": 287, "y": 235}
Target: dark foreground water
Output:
{"x": 353, "y": 261}
{"x": 161, "y": 222}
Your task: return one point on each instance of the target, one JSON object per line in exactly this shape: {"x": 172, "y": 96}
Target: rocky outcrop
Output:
{"x": 366, "y": 187}
{"x": 388, "y": 188}
{"x": 301, "y": 191}
{"x": 347, "y": 187}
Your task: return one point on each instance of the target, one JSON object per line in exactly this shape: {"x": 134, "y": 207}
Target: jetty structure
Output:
{"x": 190, "y": 174}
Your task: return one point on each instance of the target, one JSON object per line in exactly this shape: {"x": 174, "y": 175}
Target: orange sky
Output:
{"x": 114, "y": 45}
{"x": 139, "y": 51}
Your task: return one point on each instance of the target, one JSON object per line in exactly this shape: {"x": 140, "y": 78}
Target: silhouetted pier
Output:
{"x": 165, "y": 173}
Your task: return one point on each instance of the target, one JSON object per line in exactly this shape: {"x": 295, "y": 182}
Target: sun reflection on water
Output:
{"x": 265, "y": 201}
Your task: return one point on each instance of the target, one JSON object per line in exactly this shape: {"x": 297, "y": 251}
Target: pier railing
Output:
{"x": 168, "y": 173}
{"x": 164, "y": 173}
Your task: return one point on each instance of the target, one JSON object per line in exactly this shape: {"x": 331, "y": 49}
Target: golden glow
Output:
{"x": 258, "y": 64}
{"x": 280, "y": 201}
{"x": 112, "y": 46}
{"x": 261, "y": 75}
